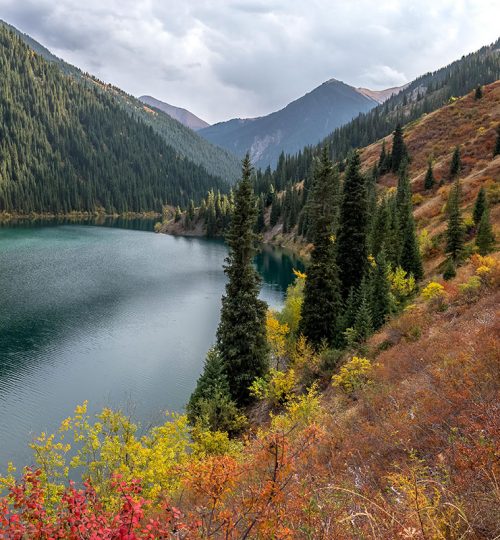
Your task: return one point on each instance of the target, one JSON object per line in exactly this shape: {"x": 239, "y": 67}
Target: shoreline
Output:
{"x": 274, "y": 237}
{"x": 5, "y": 217}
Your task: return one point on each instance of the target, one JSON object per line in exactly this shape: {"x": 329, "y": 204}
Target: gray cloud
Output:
{"x": 229, "y": 58}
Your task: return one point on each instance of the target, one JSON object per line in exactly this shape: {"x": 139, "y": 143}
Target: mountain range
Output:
{"x": 302, "y": 122}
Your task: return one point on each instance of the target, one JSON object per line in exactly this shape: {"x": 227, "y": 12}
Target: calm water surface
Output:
{"x": 118, "y": 317}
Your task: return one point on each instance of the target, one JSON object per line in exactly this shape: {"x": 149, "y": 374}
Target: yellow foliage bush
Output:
{"x": 277, "y": 386}
{"x": 107, "y": 444}
{"x": 433, "y": 291}
{"x": 300, "y": 412}
{"x": 352, "y": 375}
{"x": 403, "y": 286}
{"x": 417, "y": 199}
{"x": 290, "y": 314}
{"x": 424, "y": 242}
{"x": 487, "y": 268}
{"x": 276, "y": 335}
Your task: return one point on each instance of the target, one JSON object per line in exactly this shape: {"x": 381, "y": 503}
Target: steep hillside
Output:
{"x": 185, "y": 117}
{"x": 66, "y": 146}
{"x": 215, "y": 160}
{"x": 303, "y": 122}
{"x": 472, "y": 124}
{"x": 468, "y": 123}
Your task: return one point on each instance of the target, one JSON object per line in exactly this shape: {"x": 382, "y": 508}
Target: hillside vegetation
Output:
{"x": 467, "y": 122}
{"x": 67, "y": 147}
{"x": 183, "y": 141}
{"x": 381, "y": 435}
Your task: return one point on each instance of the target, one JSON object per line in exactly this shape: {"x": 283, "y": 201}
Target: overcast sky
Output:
{"x": 240, "y": 58}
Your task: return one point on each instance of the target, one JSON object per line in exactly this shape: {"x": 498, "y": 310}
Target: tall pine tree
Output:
{"x": 322, "y": 302}
{"x": 456, "y": 163}
{"x": 496, "y": 150}
{"x": 241, "y": 335}
{"x": 399, "y": 151}
{"x": 211, "y": 404}
{"x": 380, "y": 291}
{"x": 429, "y": 177}
{"x": 455, "y": 232}
{"x": 352, "y": 251}
{"x": 409, "y": 255}
{"x": 479, "y": 206}
{"x": 485, "y": 239}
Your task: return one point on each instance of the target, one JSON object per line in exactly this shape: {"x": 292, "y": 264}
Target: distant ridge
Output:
{"x": 183, "y": 116}
{"x": 302, "y": 122}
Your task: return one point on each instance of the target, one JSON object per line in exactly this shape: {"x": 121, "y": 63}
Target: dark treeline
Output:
{"x": 67, "y": 146}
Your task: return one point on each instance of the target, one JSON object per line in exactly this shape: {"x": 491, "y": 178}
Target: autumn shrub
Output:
{"x": 487, "y": 268}
{"x": 434, "y": 294}
{"x": 290, "y": 314}
{"x": 352, "y": 375}
{"x": 101, "y": 446}
{"x": 425, "y": 243}
{"x": 424, "y": 507}
{"x": 277, "y": 386}
{"x": 403, "y": 286}
{"x": 79, "y": 513}
{"x": 417, "y": 198}
{"x": 306, "y": 361}
{"x": 469, "y": 226}
{"x": 470, "y": 289}
{"x": 277, "y": 334}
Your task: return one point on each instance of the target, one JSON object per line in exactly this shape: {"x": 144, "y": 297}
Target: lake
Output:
{"x": 120, "y": 317}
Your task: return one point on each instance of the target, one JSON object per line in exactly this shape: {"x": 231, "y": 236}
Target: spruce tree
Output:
{"x": 429, "y": 177}
{"x": 241, "y": 335}
{"x": 352, "y": 252}
{"x": 380, "y": 228}
{"x": 449, "y": 270}
{"x": 384, "y": 162}
{"x": 363, "y": 322}
{"x": 392, "y": 241}
{"x": 322, "y": 302}
{"x": 485, "y": 239}
{"x": 399, "y": 151}
{"x": 275, "y": 211}
{"x": 455, "y": 232}
{"x": 479, "y": 206}
{"x": 409, "y": 255}
{"x": 380, "y": 292}
{"x": 456, "y": 163}
{"x": 496, "y": 150}
{"x": 261, "y": 224}
{"x": 211, "y": 404}
{"x": 191, "y": 211}
{"x": 349, "y": 310}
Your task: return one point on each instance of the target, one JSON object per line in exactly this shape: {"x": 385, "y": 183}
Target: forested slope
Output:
{"x": 217, "y": 161}
{"x": 66, "y": 146}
